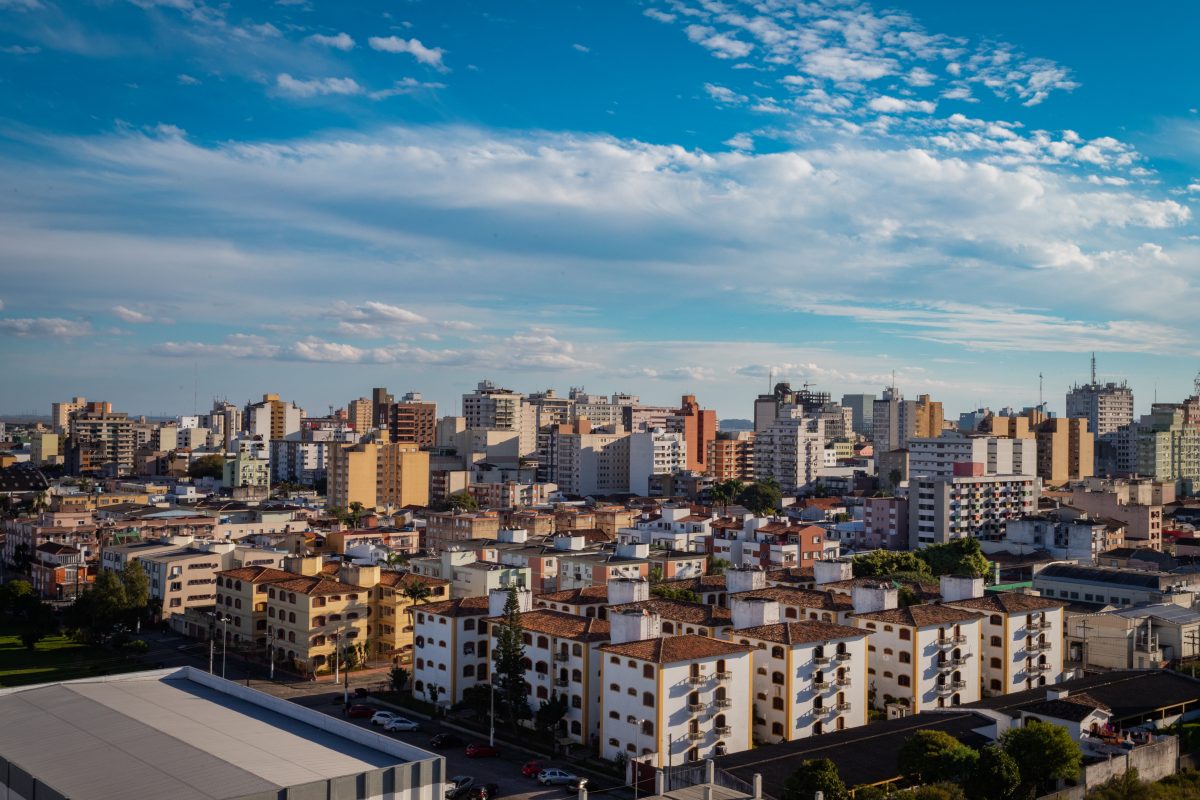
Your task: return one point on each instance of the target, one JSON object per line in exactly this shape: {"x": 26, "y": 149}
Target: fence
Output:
{"x": 696, "y": 773}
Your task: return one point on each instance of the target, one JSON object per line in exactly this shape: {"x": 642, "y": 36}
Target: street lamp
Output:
{"x": 271, "y": 653}
{"x": 637, "y": 743}
{"x": 224, "y": 641}
{"x": 491, "y": 714}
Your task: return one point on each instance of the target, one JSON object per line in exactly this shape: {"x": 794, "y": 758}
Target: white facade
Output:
{"x": 654, "y": 452}
{"x": 1022, "y": 642}
{"x": 936, "y": 457}
{"x": 943, "y": 509}
{"x": 450, "y": 645}
{"x": 298, "y": 462}
{"x": 492, "y": 408}
{"x": 591, "y": 463}
{"x": 791, "y": 450}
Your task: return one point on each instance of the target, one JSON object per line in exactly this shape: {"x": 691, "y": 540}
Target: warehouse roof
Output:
{"x": 180, "y": 734}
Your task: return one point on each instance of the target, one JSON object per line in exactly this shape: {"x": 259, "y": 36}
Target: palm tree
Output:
{"x": 725, "y": 492}
{"x": 416, "y": 592}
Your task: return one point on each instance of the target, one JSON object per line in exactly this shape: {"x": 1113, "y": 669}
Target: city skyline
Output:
{"x": 314, "y": 200}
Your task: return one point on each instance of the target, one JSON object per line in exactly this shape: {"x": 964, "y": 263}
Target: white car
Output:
{"x": 383, "y": 717}
{"x": 401, "y": 724}
{"x": 556, "y": 776}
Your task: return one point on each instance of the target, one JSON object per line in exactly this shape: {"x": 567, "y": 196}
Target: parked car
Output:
{"x": 530, "y": 769}
{"x": 488, "y": 791}
{"x": 383, "y": 717}
{"x": 444, "y": 740}
{"x": 360, "y": 711}
{"x": 481, "y": 750}
{"x": 398, "y": 723}
{"x": 555, "y": 776}
{"x": 460, "y": 784}
{"x": 573, "y": 786}
{"x": 361, "y": 691}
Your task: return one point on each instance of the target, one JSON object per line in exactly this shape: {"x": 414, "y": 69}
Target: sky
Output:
{"x": 656, "y": 197}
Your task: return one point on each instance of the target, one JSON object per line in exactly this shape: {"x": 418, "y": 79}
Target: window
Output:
{"x": 614, "y": 715}
{"x": 777, "y": 729}
{"x": 996, "y": 641}
{"x": 647, "y": 728}
{"x": 995, "y": 685}
{"x": 576, "y": 701}
{"x": 776, "y": 652}
{"x": 614, "y": 687}
{"x": 777, "y": 703}
{"x": 469, "y": 625}
{"x": 887, "y": 674}
{"x": 904, "y": 680}
{"x": 647, "y": 671}
{"x": 995, "y": 620}
{"x": 777, "y": 677}
{"x": 905, "y": 634}
{"x": 887, "y": 651}
{"x": 469, "y": 671}
{"x": 543, "y": 642}
{"x": 995, "y": 663}
{"x": 541, "y": 692}
{"x": 905, "y": 657}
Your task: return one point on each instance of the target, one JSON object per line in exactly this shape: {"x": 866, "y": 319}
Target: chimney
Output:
{"x": 633, "y": 550}
{"x": 497, "y": 598}
{"x": 363, "y": 575}
{"x": 956, "y": 587}
{"x": 878, "y": 597}
{"x": 744, "y": 579}
{"x": 627, "y": 590}
{"x": 750, "y": 612}
{"x": 832, "y": 571}
{"x": 302, "y": 565}
{"x": 758, "y": 786}
{"x": 574, "y": 543}
{"x": 634, "y": 625}
{"x": 1057, "y": 694}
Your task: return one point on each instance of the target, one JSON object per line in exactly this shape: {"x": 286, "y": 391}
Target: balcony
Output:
{"x": 843, "y": 682}
{"x": 841, "y": 656}
{"x": 958, "y": 662}
{"x": 821, "y": 686}
{"x": 724, "y": 702}
{"x": 1038, "y": 668}
{"x": 695, "y": 708}
{"x": 958, "y": 639}
{"x": 696, "y": 736}
{"x": 696, "y": 680}
{"x": 724, "y": 730}
{"x": 562, "y": 683}
{"x": 946, "y": 642}
{"x": 1037, "y": 647}
{"x": 945, "y": 688}
{"x": 842, "y": 707}
{"x": 822, "y": 661}
{"x": 958, "y": 685}
{"x": 1041, "y": 625}
{"x": 725, "y": 676}
{"x": 562, "y": 656}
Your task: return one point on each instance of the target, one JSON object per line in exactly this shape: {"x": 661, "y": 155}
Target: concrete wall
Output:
{"x": 1153, "y": 762}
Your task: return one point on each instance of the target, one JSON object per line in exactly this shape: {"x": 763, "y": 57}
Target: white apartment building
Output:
{"x": 1106, "y": 406}
{"x": 590, "y": 461}
{"x": 943, "y": 509}
{"x": 675, "y": 528}
{"x": 809, "y": 677}
{"x": 562, "y": 657}
{"x": 1022, "y": 644}
{"x": 654, "y": 452}
{"x": 451, "y": 647}
{"x": 490, "y": 407}
{"x": 936, "y": 457}
{"x": 672, "y": 699}
{"x": 791, "y": 450}
{"x": 304, "y": 463}
{"x": 925, "y": 656}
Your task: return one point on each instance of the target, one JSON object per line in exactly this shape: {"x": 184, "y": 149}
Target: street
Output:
{"x": 172, "y": 650}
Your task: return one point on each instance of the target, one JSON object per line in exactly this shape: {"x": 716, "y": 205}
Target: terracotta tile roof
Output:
{"x": 705, "y": 583}
{"x": 562, "y": 625}
{"x": 681, "y": 611}
{"x": 694, "y": 518}
{"x": 56, "y": 549}
{"x": 316, "y": 585}
{"x": 823, "y": 502}
{"x": 258, "y": 574}
{"x": 921, "y": 616}
{"x": 397, "y": 579}
{"x": 458, "y": 607}
{"x": 1007, "y": 603}
{"x": 792, "y": 575}
{"x": 670, "y": 649}
{"x": 588, "y": 595}
{"x": 801, "y": 632}
{"x": 331, "y": 567}
{"x": 801, "y": 598}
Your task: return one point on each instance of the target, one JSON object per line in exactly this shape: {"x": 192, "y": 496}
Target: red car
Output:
{"x": 481, "y": 750}
{"x": 530, "y": 769}
{"x": 357, "y": 711}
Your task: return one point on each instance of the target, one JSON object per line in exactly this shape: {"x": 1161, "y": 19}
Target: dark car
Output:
{"x": 361, "y": 691}
{"x": 444, "y": 740}
{"x": 481, "y": 750}
{"x": 357, "y": 711}
{"x": 459, "y": 786}
{"x": 574, "y": 784}
{"x": 530, "y": 769}
{"x": 488, "y": 791}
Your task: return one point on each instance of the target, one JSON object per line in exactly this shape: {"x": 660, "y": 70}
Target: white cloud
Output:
{"x": 316, "y": 87}
{"x": 45, "y": 327}
{"x": 340, "y": 41}
{"x": 20, "y": 50}
{"x": 723, "y": 94}
{"x": 721, "y": 45}
{"x": 130, "y": 315}
{"x": 1194, "y": 187}
{"x": 661, "y": 16}
{"x": 740, "y": 141}
{"x": 896, "y": 105}
{"x": 407, "y": 86}
{"x": 919, "y": 76}
{"x": 839, "y": 64}
{"x": 582, "y": 48}
{"x": 430, "y": 56}
{"x": 21, "y": 5}
{"x": 186, "y": 80}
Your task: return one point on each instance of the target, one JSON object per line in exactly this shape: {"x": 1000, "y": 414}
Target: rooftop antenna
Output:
{"x": 1196, "y": 385}
{"x": 1041, "y": 402}
{"x": 1093, "y": 367}
{"x": 195, "y": 387}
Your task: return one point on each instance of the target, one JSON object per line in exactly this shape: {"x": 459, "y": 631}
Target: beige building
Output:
{"x": 378, "y": 475}
{"x": 60, "y": 414}
{"x": 273, "y": 418}
{"x": 731, "y": 457}
{"x": 309, "y": 617}
{"x": 359, "y": 413}
{"x": 101, "y": 440}
{"x": 45, "y": 448}
{"x": 1065, "y": 445}
{"x": 394, "y": 611}
{"x": 1143, "y": 521}
{"x": 443, "y": 529}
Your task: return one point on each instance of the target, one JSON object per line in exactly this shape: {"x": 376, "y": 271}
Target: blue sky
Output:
{"x": 655, "y": 197}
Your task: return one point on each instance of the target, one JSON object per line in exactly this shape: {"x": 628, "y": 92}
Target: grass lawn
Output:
{"x": 56, "y": 658}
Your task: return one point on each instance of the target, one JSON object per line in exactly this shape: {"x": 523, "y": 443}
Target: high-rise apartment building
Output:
{"x": 490, "y": 407}
{"x": 413, "y": 420}
{"x": 654, "y": 452}
{"x": 937, "y": 457}
{"x": 969, "y": 504}
{"x": 360, "y": 414}
{"x": 101, "y": 440}
{"x": 60, "y": 413}
{"x": 590, "y": 460}
{"x": 273, "y": 418}
{"x": 699, "y": 429}
{"x": 381, "y": 405}
{"x": 1065, "y": 446}
{"x": 767, "y": 407}
{"x": 1167, "y": 447}
{"x": 791, "y": 450}
{"x": 378, "y": 475}
{"x": 731, "y": 456}
{"x": 897, "y": 420}
{"x": 862, "y": 409}
{"x": 1106, "y": 406}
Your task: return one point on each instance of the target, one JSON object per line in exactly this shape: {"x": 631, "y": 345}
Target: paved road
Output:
{"x": 172, "y": 650}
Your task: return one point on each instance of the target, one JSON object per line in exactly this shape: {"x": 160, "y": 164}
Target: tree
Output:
{"x": 1043, "y": 752}
{"x": 101, "y": 606}
{"x": 212, "y": 466}
{"x": 398, "y": 678}
{"x": 995, "y": 776}
{"x": 476, "y": 699}
{"x": 957, "y": 557}
{"x": 461, "y": 501}
{"x": 886, "y": 563}
{"x": 936, "y": 791}
{"x": 715, "y": 566}
{"x": 1126, "y": 786}
{"x": 656, "y": 574}
{"x": 674, "y": 593}
{"x": 137, "y": 586}
{"x": 723, "y": 493}
{"x": 932, "y": 756}
{"x": 509, "y": 656}
{"x": 416, "y": 593}
{"x": 34, "y": 619}
{"x": 14, "y": 595}
{"x": 549, "y": 714}
{"x": 817, "y": 775}
{"x": 22, "y": 558}
{"x": 761, "y": 497}
{"x": 432, "y": 690}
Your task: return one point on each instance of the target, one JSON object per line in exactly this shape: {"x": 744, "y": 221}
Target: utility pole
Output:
{"x": 224, "y": 643}
{"x": 491, "y": 714}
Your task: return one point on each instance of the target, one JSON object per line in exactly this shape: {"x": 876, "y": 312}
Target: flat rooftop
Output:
{"x": 180, "y": 734}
